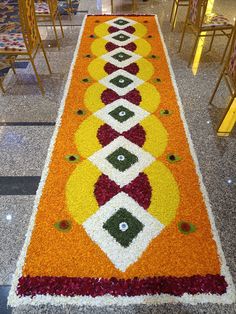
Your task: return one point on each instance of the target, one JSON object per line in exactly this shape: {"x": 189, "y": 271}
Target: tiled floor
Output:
{"x": 27, "y": 122}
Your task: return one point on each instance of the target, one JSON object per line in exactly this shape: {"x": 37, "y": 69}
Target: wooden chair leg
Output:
{"x": 37, "y": 76}
{"x": 175, "y": 16}
{"x": 112, "y": 6}
{"x": 216, "y": 87}
{"x": 1, "y": 86}
{"x": 59, "y": 18}
{"x": 212, "y": 39}
{"x": 226, "y": 48}
{"x": 194, "y": 49}
{"x": 172, "y": 10}
{"x": 182, "y": 37}
{"x": 55, "y": 31}
{"x": 46, "y": 58}
{"x": 12, "y": 66}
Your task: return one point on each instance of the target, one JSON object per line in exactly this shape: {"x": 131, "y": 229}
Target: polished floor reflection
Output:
{"x": 27, "y": 121}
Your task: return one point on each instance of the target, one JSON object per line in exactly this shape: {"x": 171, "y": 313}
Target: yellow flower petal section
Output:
{"x": 146, "y": 69}
{"x": 140, "y": 30}
{"x": 101, "y": 30}
{"x": 96, "y": 69}
{"x": 150, "y": 97}
{"x": 98, "y": 47}
{"x": 143, "y": 47}
{"x": 165, "y": 194}
{"x": 156, "y": 136}
{"x": 92, "y": 97}
{"x": 86, "y": 136}
{"x": 80, "y": 199}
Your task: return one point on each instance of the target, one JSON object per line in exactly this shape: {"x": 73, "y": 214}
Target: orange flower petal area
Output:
{"x": 74, "y": 253}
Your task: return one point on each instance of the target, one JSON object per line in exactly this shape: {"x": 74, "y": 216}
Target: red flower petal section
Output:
{"x": 69, "y": 286}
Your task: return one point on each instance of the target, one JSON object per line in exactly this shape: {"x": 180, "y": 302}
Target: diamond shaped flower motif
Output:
{"x": 121, "y": 82}
{"x": 121, "y": 57}
{"x": 121, "y": 115}
{"x": 121, "y": 22}
{"x": 121, "y": 160}
{"x": 120, "y": 38}
{"x": 122, "y": 229}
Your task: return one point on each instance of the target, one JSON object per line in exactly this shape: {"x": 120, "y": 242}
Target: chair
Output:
{"x": 24, "y": 44}
{"x": 48, "y": 11}
{"x": 229, "y": 73}
{"x": 174, "y": 11}
{"x": 205, "y": 25}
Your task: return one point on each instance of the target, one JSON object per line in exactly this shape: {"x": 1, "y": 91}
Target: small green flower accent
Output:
{"x": 172, "y": 158}
{"x": 157, "y": 80}
{"x": 63, "y": 225}
{"x": 186, "y": 227}
{"x": 154, "y": 57}
{"x": 80, "y": 112}
{"x": 72, "y": 158}
{"x": 86, "y": 80}
{"x": 165, "y": 112}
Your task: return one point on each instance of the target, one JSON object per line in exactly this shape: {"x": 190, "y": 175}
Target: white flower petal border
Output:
{"x": 14, "y": 300}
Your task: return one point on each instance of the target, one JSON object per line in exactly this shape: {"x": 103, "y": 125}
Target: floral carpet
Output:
{"x": 121, "y": 215}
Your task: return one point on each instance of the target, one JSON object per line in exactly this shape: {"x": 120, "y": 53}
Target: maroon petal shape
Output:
{"x": 110, "y": 46}
{"x": 108, "y": 96}
{"x": 131, "y": 68}
{"x": 110, "y": 68}
{"x": 128, "y": 29}
{"x": 105, "y": 189}
{"x": 140, "y": 190}
{"x": 106, "y": 134}
{"x": 136, "y": 135}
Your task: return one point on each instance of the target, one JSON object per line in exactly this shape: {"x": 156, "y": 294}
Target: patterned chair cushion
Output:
{"x": 12, "y": 41}
{"x": 41, "y": 8}
{"x": 216, "y": 20}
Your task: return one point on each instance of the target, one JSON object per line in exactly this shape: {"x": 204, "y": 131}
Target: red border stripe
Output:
{"x": 68, "y": 286}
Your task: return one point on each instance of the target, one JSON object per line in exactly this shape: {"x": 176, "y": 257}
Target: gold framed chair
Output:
{"x": 229, "y": 74}
{"x": 25, "y": 44}
{"x": 47, "y": 11}
{"x": 174, "y": 10}
{"x": 205, "y": 25}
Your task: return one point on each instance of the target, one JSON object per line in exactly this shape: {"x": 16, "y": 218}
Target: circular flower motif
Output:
{"x": 63, "y": 225}
{"x": 80, "y": 112}
{"x": 173, "y": 158}
{"x": 72, "y": 158}
{"x": 165, "y": 112}
{"x": 186, "y": 227}
{"x": 86, "y": 80}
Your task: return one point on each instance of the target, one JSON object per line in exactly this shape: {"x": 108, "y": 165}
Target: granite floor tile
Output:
{"x": 23, "y": 149}
{"x": 4, "y": 290}
{"x": 15, "y": 212}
